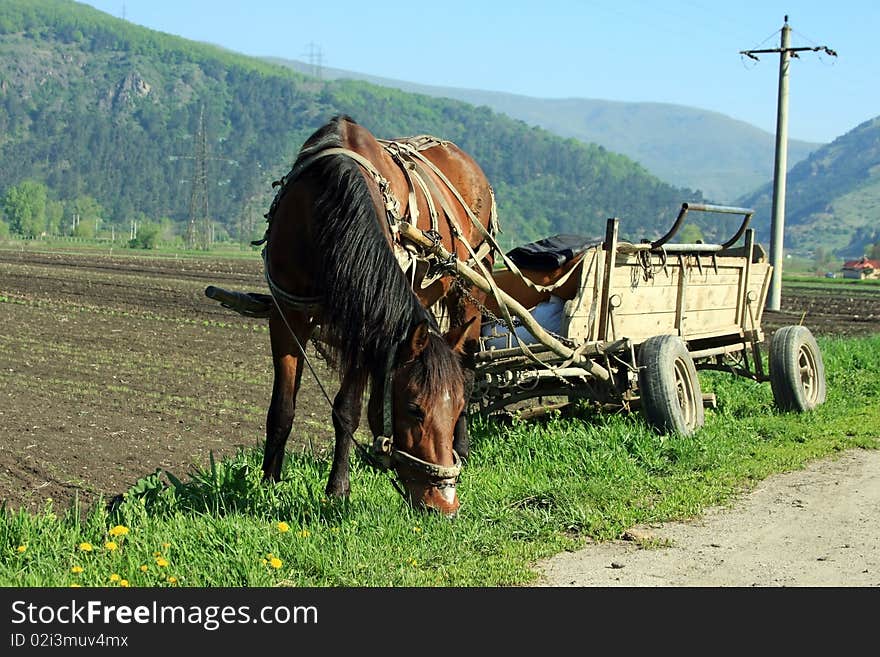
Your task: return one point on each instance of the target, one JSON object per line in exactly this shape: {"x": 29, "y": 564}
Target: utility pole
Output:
{"x": 200, "y": 230}
{"x": 780, "y": 168}
{"x": 315, "y": 59}
{"x": 198, "y": 200}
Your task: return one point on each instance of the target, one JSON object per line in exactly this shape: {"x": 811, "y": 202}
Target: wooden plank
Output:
{"x": 610, "y": 247}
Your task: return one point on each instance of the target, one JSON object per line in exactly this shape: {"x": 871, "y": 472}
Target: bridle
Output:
{"x": 383, "y": 455}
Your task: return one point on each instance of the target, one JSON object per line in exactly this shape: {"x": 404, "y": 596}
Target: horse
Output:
{"x": 384, "y": 311}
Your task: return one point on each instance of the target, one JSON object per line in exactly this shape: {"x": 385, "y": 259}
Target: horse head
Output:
{"x": 419, "y": 402}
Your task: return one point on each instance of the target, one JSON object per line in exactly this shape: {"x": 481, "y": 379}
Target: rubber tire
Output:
{"x": 797, "y": 372}
{"x": 671, "y": 397}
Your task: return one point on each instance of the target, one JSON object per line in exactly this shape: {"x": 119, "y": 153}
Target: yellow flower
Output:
{"x": 161, "y": 562}
{"x": 86, "y": 547}
{"x": 305, "y": 533}
{"x": 118, "y": 530}
{"x": 76, "y": 569}
{"x": 75, "y": 586}
{"x": 144, "y": 568}
{"x": 21, "y": 548}
{"x": 172, "y": 579}
{"x": 110, "y": 545}
{"x": 114, "y": 577}
{"x": 165, "y": 546}
{"x": 275, "y": 562}
{"x": 283, "y": 527}
{"x": 123, "y": 582}
{"x": 417, "y": 529}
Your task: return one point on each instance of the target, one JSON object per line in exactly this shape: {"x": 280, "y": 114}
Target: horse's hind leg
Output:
{"x": 288, "y": 365}
{"x": 346, "y": 418}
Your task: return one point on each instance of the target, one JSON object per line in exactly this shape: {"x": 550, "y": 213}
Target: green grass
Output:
{"x": 530, "y": 490}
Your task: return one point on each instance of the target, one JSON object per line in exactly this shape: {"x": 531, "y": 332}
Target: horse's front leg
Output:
{"x": 287, "y": 362}
{"x": 346, "y": 418}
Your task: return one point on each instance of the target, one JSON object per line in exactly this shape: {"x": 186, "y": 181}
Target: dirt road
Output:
{"x": 814, "y": 527}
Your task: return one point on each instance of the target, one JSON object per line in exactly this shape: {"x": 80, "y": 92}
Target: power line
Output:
{"x": 785, "y": 52}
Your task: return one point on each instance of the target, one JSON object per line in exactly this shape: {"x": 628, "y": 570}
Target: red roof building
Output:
{"x": 864, "y": 267}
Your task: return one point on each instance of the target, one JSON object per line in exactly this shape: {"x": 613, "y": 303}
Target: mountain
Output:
{"x": 108, "y": 116}
{"x": 723, "y": 157}
{"x": 832, "y": 199}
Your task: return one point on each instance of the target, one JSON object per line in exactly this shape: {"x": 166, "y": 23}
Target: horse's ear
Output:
{"x": 455, "y": 337}
{"x": 418, "y": 340}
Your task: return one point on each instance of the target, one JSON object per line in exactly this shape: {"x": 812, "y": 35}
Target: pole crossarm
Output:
{"x": 791, "y": 51}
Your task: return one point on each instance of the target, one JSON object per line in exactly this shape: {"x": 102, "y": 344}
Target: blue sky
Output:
{"x": 685, "y": 52}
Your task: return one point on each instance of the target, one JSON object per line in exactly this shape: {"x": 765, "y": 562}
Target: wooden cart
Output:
{"x": 643, "y": 320}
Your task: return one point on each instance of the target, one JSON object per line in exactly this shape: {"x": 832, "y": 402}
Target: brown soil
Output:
{"x": 113, "y": 366}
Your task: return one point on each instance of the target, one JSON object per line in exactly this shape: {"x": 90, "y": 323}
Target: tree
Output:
{"x": 874, "y": 251}
{"x": 83, "y": 215}
{"x": 54, "y": 215}
{"x": 147, "y": 236}
{"x": 25, "y": 208}
{"x": 690, "y": 234}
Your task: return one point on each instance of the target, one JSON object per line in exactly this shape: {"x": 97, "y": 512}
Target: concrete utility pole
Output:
{"x": 780, "y": 168}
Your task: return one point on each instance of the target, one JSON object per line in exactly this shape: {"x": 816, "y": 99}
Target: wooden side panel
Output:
{"x": 652, "y": 298}
{"x": 581, "y": 315}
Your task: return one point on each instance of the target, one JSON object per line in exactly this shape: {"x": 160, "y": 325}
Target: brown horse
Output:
{"x": 336, "y": 262}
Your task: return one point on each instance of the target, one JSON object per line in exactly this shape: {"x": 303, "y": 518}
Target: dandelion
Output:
{"x": 76, "y": 570}
{"x": 283, "y": 527}
{"x": 110, "y": 546}
{"x": 161, "y": 562}
{"x": 123, "y": 582}
{"x": 144, "y": 568}
{"x": 85, "y": 547}
{"x": 305, "y": 533}
{"x": 21, "y": 548}
{"x": 118, "y": 530}
{"x": 413, "y": 563}
{"x": 417, "y": 529}
{"x": 75, "y": 586}
{"x": 114, "y": 577}
{"x": 275, "y": 562}
{"x": 172, "y": 580}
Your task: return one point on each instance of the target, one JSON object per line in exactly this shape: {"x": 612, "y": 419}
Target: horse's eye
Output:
{"x": 415, "y": 410}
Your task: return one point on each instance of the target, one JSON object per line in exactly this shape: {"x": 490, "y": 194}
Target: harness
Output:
{"x": 406, "y": 153}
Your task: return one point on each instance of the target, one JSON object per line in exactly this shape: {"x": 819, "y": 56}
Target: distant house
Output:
{"x": 864, "y": 267}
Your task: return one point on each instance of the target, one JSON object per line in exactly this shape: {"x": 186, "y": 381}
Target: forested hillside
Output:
{"x": 99, "y": 120}
{"x": 722, "y": 157}
{"x": 832, "y": 198}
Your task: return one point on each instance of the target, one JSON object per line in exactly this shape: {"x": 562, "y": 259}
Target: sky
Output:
{"x": 686, "y": 52}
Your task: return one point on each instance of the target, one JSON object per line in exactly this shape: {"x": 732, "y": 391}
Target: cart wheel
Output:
{"x": 797, "y": 373}
{"x": 669, "y": 388}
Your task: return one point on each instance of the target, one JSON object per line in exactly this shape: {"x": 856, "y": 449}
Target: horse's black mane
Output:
{"x": 369, "y": 307}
